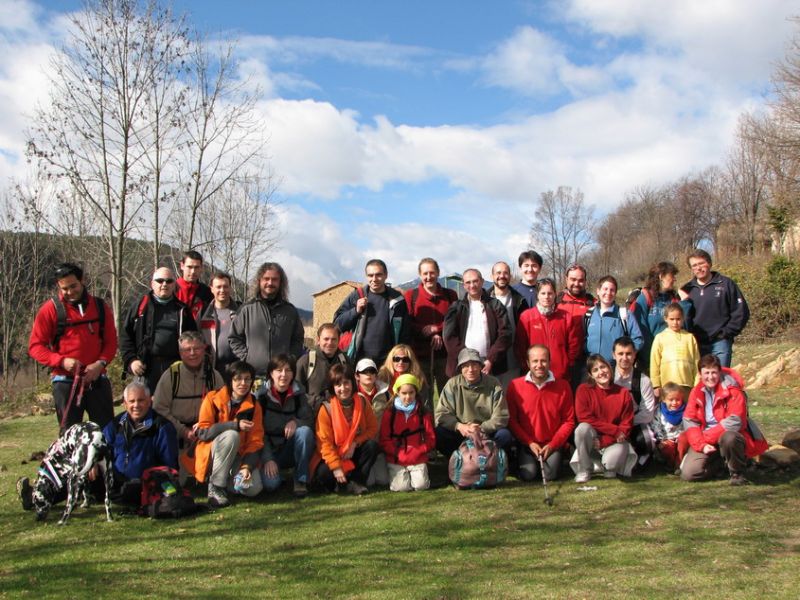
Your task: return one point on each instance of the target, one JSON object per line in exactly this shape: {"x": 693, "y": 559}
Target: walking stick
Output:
{"x": 547, "y": 499}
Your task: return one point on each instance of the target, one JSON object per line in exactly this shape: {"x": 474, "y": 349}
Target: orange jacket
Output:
{"x": 327, "y": 448}
{"x": 216, "y": 409}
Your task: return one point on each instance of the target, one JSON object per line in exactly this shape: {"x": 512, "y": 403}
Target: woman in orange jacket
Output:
{"x": 346, "y": 428}
{"x": 230, "y": 432}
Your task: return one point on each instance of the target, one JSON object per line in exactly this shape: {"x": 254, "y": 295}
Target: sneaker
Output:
{"x": 356, "y": 488}
{"x": 300, "y": 489}
{"x": 583, "y": 477}
{"x": 610, "y": 474}
{"x": 738, "y": 479}
{"x": 25, "y": 493}
{"x": 217, "y": 496}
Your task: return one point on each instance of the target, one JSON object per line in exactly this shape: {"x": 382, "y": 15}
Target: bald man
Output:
{"x": 148, "y": 340}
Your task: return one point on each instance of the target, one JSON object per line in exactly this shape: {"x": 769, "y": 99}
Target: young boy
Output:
{"x": 406, "y": 437}
{"x": 675, "y": 353}
{"x": 668, "y": 425}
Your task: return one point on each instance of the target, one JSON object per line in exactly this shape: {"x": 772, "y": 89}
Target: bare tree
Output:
{"x": 225, "y": 139}
{"x": 562, "y": 227}
{"x": 87, "y": 136}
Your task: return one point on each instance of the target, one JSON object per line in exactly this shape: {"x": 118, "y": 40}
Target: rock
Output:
{"x": 780, "y": 457}
{"x": 792, "y": 440}
{"x": 765, "y": 375}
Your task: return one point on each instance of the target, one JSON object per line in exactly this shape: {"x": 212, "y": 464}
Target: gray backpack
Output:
{"x": 477, "y": 463}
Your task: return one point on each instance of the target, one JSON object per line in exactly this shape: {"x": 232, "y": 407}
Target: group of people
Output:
{"x": 218, "y": 392}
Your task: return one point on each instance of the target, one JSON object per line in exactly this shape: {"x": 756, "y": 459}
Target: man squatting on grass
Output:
{"x": 226, "y": 422}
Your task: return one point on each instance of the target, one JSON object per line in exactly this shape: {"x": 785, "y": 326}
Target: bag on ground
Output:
{"x": 477, "y": 463}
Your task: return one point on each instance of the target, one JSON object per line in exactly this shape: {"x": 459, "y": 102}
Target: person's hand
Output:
{"x": 429, "y": 330}
{"x": 339, "y": 475}
{"x": 546, "y": 452}
{"x": 466, "y": 429}
{"x": 709, "y": 449}
{"x": 682, "y": 294}
{"x": 245, "y": 425}
{"x": 361, "y": 305}
{"x": 138, "y": 368}
{"x": 271, "y": 469}
{"x": 596, "y": 444}
{"x": 437, "y": 343}
{"x": 69, "y": 364}
{"x": 244, "y": 470}
{"x": 93, "y": 371}
{"x": 349, "y": 452}
{"x": 487, "y": 367}
{"x": 657, "y": 392}
{"x": 290, "y": 428}
{"x": 191, "y": 434}
{"x": 536, "y": 449}
{"x": 621, "y": 437}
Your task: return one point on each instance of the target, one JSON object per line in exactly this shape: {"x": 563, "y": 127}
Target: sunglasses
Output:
{"x": 401, "y": 359}
{"x": 162, "y": 280}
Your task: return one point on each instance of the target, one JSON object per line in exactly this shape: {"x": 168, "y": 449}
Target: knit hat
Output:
{"x": 364, "y": 364}
{"x": 468, "y": 355}
{"x": 405, "y": 379}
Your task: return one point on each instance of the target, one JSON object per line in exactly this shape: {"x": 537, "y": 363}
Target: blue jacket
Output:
{"x": 603, "y": 330}
{"x": 155, "y": 444}
{"x": 651, "y": 321}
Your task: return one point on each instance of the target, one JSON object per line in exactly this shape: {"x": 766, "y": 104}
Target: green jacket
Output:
{"x": 482, "y": 403}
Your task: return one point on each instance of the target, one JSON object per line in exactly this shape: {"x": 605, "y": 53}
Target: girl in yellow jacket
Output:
{"x": 674, "y": 354}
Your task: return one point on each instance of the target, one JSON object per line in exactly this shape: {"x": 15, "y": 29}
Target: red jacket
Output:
{"x": 557, "y": 331}
{"x": 81, "y": 338}
{"x": 413, "y": 448}
{"x": 196, "y": 296}
{"x": 730, "y": 411}
{"x": 609, "y": 412}
{"x": 427, "y": 310}
{"x": 545, "y": 416}
{"x": 575, "y": 307}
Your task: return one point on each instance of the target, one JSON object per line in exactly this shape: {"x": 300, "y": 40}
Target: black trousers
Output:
{"x": 363, "y": 458}
{"x": 97, "y": 402}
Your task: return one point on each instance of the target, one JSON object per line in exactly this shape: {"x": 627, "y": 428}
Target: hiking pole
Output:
{"x": 547, "y": 499}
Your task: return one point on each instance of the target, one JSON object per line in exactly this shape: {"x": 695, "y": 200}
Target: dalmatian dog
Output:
{"x": 65, "y": 469}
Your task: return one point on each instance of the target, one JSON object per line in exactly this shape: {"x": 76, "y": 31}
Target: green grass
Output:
{"x": 650, "y": 537}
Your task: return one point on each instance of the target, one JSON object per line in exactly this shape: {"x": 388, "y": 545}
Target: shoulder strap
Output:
{"x": 312, "y": 362}
{"x": 61, "y": 321}
{"x": 587, "y": 316}
{"x": 143, "y": 305}
{"x": 101, "y": 316}
{"x": 414, "y": 296}
{"x": 175, "y": 376}
{"x": 636, "y": 386}
{"x": 623, "y": 317}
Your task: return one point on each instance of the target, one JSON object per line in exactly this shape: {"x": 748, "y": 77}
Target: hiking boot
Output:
{"x": 583, "y": 477}
{"x": 25, "y": 493}
{"x": 217, "y": 496}
{"x": 356, "y": 488}
{"x": 738, "y": 479}
{"x": 300, "y": 489}
{"x": 610, "y": 474}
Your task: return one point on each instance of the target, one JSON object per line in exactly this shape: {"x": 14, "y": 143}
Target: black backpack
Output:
{"x": 163, "y": 497}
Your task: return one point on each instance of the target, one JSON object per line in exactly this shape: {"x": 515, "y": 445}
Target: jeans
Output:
{"x": 296, "y": 452}
{"x": 722, "y": 349}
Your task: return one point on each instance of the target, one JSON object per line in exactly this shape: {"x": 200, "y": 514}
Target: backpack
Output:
{"x": 346, "y": 339}
{"x": 312, "y": 360}
{"x": 401, "y": 439}
{"x": 175, "y": 377}
{"x": 163, "y": 497}
{"x": 61, "y": 319}
{"x": 633, "y": 296}
{"x": 623, "y": 317}
{"x": 477, "y": 463}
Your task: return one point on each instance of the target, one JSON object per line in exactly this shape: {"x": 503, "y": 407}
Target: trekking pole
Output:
{"x": 547, "y": 499}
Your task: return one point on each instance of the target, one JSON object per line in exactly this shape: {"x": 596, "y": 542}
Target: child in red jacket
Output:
{"x": 406, "y": 437}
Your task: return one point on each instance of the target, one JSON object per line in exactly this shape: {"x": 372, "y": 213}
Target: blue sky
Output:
{"x": 406, "y": 129}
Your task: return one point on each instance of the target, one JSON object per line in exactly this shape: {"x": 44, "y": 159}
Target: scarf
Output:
{"x": 406, "y": 410}
{"x": 545, "y": 312}
{"x": 344, "y": 432}
{"x": 673, "y": 417}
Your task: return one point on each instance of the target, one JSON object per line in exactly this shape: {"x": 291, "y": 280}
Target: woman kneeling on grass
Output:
{"x": 604, "y": 411}
{"x": 346, "y": 427}
{"x": 288, "y": 437}
{"x": 230, "y": 437}
{"x": 717, "y": 427}
{"x": 407, "y": 436}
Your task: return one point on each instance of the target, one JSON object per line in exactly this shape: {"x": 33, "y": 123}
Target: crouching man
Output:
{"x": 140, "y": 438}
{"x": 230, "y": 433}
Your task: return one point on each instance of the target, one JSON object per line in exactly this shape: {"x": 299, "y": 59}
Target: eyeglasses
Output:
{"x": 401, "y": 359}
{"x": 163, "y": 280}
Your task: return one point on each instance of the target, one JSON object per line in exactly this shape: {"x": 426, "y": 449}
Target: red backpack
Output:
{"x": 163, "y": 496}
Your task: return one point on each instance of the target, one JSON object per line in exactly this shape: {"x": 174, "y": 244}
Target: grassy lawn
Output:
{"x": 652, "y": 536}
